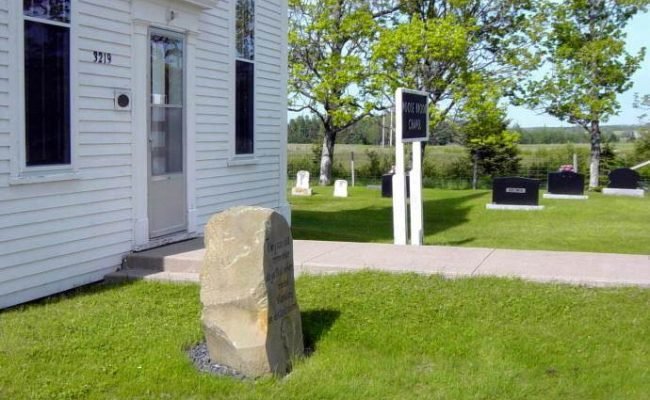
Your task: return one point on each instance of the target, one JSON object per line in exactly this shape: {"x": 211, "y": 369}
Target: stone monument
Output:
{"x": 515, "y": 193}
{"x": 302, "y": 184}
{"x": 624, "y": 182}
{"x": 340, "y": 188}
{"x": 566, "y": 184}
{"x": 250, "y": 316}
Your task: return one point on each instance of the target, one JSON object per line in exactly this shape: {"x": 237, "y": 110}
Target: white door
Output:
{"x": 167, "y": 180}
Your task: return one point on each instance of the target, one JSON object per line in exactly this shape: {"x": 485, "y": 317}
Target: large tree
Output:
{"x": 587, "y": 66}
{"x": 444, "y": 46}
{"x": 329, "y": 71}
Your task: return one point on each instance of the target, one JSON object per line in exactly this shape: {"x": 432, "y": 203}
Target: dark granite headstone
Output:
{"x": 387, "y": 185}
{"x": 624, "y": 178}
{"x": 515, "y": 191}
{"x": 566, "y": 182}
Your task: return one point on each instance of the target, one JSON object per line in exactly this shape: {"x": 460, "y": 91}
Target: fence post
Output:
{"x": 390, "y": 130}
{"x": 352, "y": 166}
{"x": 383, "y": 130}
{"x": 575, "y": 163}
{"x": 474, "y": 172}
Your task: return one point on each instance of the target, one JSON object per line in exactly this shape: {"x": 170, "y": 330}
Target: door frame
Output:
{"x": 142, "y": 23}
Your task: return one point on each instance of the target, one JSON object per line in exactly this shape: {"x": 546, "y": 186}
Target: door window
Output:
{"x": 166, "y": 118}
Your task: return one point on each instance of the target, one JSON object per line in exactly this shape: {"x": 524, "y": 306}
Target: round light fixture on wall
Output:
{"x": 122, "y": 100}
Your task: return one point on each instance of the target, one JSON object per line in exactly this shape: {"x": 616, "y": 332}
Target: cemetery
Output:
{"x": 434, "y": 293}
{"x": 460, "y": 217}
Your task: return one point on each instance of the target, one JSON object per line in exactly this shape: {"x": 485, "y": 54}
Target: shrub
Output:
{"x": 376, "y": 166}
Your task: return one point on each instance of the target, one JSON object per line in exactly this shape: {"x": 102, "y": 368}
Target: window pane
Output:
{"x": 166, "y": 140}
{"x": 47, "y": 94}
{"x": 53, "y": 10}
{"x": 244, "y": 108}
{"x": 166, "y": 70}
{"x": 246, "y": 29}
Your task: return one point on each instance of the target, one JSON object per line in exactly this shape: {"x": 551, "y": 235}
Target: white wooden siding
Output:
{"x": 5, "y": 134}
{"x": 219, "y": 185}
{"x": 56, "y": 235}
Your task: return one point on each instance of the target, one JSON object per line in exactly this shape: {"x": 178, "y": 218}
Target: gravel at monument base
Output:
{"x": 201, "y": 360}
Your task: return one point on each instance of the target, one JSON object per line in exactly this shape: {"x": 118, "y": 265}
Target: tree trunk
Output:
{"x": 327, "y": 158}
{"x": 594, "y": 165}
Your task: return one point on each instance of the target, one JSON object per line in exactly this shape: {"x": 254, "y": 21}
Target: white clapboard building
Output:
{"x": 125, "y": 124}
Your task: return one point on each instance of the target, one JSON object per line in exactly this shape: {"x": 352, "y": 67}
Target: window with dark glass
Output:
{"x": 47, "y": 81}
{"x": 244, "y": 106}
{"x": 245, "y": 77}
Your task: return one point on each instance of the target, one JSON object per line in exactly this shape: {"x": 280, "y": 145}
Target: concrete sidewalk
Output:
{"x": 592, "y": 269}
{"x": 182, "y": 262}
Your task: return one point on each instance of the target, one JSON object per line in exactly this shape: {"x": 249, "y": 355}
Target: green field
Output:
{"x": 459, "y": 218}
{"x": 374, "y": 335}
{"x": 529, "y": 152}
{"x": 449, "y": 167}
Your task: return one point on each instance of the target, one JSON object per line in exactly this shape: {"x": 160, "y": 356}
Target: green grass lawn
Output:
{"x": 459, "y": 218}
{"x": 375, "y": 335}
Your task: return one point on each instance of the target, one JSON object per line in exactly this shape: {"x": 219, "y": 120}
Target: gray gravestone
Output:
{"x": 250, "y": 317}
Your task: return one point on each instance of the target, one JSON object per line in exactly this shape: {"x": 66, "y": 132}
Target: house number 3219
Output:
{"x": 102, "y": 57}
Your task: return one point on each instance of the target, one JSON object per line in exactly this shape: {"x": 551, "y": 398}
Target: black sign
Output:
{"x": 624, "y": 178}
{"x": 414, "y": 117}
{"x": 515, "y": 191}
{"x": 566, "y": 182}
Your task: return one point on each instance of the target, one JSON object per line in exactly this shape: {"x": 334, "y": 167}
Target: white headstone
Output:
{"x": 341, "y": 188}
{"x": 302, "y": 184}
{"x": 302, "y": 179}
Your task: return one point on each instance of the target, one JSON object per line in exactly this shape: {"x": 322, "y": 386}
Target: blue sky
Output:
{"x": 638, "y": 35}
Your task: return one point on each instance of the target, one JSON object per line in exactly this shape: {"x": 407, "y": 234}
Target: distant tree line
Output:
{"x": 309, "y": 130}
{"x": 546, "y": 135}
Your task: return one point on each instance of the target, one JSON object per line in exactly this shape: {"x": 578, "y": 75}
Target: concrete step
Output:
{"x": 182, "y": 257}
{"x": 151, "y": 275}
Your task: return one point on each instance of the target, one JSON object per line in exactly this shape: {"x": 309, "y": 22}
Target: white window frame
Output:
{"x": 247, "y": 158}
{"x": 20, "y": 172}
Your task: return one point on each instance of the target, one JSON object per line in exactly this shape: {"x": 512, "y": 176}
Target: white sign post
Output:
{"x": 412, "y": 123}
{"x": 399, "y": 192}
